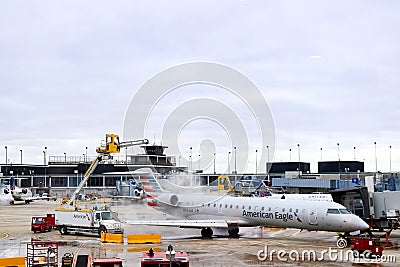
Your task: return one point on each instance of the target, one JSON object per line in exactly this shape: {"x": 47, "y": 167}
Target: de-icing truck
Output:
{"x": 87, "y": 221}
{"x": 72, "y": 219}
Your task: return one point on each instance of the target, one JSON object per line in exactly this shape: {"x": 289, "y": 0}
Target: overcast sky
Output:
{"x": 329, "y": 71}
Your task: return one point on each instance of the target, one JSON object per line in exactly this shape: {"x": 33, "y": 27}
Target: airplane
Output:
{"x": 205, "y": 211}
{"x": 14, "y": 194}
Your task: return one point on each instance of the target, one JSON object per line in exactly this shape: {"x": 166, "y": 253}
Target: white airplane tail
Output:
{"x": 150, "y": 184}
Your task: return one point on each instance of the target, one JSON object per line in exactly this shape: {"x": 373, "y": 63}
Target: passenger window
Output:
{"x": 256, "y": 207}
{"x": 220, "y": 205}
{"x": 243, "y": 207}
{"x": 209, "y": 204}
{"x": 249, "y": 207}
{"x": 231, "y": 206}
{"x": 226, "y": 205}
{"x": 215, "y": 205}
{"x": 269, "y": 209}
{"x": 237, "y": 206}
{"x": 262, "y": 208}
{"x": 297, "y": 210}
{"x": 290, "y": 210}
{"x": 283, "y": 210}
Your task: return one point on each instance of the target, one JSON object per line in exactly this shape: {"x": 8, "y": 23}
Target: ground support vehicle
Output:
{"x": 41, "y": 253}
{"x": 366, "y": 247}
{"x": 42, "y": 224}
{"x": 87, "y": 221}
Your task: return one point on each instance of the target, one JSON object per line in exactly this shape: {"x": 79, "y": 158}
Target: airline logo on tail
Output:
{"x": 150, "y": 185}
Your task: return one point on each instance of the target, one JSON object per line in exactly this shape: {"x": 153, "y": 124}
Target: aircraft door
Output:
{"x": 312, "y": 217}
{"x": 220, "y": 208}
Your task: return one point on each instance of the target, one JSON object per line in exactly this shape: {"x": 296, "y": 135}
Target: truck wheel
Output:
{"x": 341, "y": 243}
{"x": 63, "y": 230}
{"x": 102, "y": 229}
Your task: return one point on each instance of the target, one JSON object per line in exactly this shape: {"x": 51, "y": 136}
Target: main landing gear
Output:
{"x": 206, "y": 232}
{"x": 343, "y": 240}
{"x": 233, "y": 231}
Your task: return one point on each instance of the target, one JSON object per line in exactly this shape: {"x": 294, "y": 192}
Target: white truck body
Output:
{"x": 87, "y": 221}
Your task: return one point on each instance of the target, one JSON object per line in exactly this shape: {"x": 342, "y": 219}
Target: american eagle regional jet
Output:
{"x": 205, "y": 211}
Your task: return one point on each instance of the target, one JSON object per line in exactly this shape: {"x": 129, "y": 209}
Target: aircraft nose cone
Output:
{"x": 360, "y": 224}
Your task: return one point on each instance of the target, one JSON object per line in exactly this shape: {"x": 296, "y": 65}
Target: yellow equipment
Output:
{"x": 107, "y": 147}
{"x": 224, "y": 184}
{"x": 113, "y": 145}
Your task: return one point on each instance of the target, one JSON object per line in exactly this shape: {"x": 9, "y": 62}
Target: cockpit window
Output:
{"x": 344, "y": 211}
{"x": 333, "y": 211}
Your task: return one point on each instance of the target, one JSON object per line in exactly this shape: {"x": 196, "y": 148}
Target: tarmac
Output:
{"x": 246, "y": 250}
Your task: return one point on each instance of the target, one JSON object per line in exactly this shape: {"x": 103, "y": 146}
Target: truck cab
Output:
{"x": 92, "y": 221}
{"x": 107, "y": 221}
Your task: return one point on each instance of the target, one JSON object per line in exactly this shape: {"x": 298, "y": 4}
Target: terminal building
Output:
{"x": 62, "y": 174}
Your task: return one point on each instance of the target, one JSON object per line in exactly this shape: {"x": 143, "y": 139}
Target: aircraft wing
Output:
{"x": 127, "y": 197}
{"x": 185, "y": 223}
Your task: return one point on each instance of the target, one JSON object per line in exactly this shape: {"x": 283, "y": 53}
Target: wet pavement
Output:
{"x": 220, "y": 251}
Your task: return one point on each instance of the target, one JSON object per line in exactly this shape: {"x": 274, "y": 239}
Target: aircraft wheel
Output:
{"x": 233, "y": 231}
{"x": 341, "y": 243}
{"x": 12, "y": 202}
{"x": 102, "y": 229}
{"x": 63, "y": 230}
{"x": 206, "y": 232}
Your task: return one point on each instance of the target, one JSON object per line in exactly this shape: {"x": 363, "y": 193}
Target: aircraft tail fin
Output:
{"x": 151, "y": 188}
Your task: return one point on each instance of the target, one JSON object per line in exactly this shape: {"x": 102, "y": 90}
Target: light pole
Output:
{"x": 268, "y": 160}
{"x": 290, "y": 154}
{"x": 21, "y": 155}
{"x": 45, "y": 155}
{"x": 229, "y": 163}
{"x": 321, "y": 153}
{"x": 86, "y": 155}
{"x": 235, "y": 160}
{"x": 65, "y": 157}
{"x": 214, "y": 162}
{"x": 6, "y": 159}
{"x": 298, "y": 149}
{"x": 199, "y": 162}
{"x": 44, "y": 163}
{"x": 256, "y": 161}
{"x": 190, "y": 163}
{"x": 268, "y": 165}
{"x": 376, "y": 161}
{"x": 338, "y": 154}
{"x": 390, "y": 160}
{"x": 354, "y": 153}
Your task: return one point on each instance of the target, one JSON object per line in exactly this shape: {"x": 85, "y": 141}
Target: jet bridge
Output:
{"x": 379, "y": 209}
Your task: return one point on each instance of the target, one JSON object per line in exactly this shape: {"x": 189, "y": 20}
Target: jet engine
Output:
{"x": 174, "y": 200}
{"x": 6, "y": 191}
